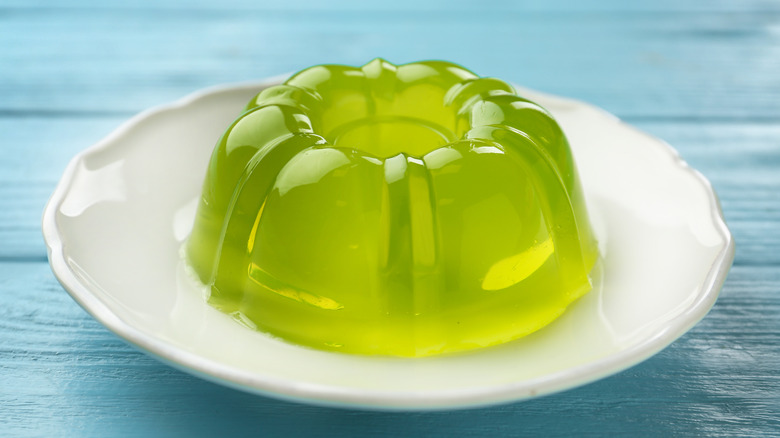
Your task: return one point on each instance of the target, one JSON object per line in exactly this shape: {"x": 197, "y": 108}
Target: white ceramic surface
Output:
{"x": 117, "y": 219}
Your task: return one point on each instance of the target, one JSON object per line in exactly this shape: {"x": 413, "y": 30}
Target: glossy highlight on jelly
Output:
{"x": 402, "y": 210}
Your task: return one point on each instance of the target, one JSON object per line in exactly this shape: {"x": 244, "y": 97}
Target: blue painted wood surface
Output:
{"x": 703, "y": 75}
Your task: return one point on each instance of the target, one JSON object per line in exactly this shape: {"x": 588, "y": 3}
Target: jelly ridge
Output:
{"x": 398, "y": 210}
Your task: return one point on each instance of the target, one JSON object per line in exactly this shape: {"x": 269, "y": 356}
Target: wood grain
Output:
{"x": 719, "y": 65}
{"x": 702, "y": 75}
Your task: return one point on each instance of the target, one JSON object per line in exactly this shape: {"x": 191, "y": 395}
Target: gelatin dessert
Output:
{"x": 403, "y": 210}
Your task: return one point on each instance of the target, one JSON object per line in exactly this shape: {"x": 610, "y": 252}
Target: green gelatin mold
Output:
{"x": 393, "y": 210}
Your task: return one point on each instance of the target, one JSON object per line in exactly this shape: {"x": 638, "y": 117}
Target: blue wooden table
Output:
{"x": 703, "y": 75}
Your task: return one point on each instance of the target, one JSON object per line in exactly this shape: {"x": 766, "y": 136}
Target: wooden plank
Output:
{"x": 63, "y": 373}
{"x": 558, "y": 6}
{"x": 707, "y": 65}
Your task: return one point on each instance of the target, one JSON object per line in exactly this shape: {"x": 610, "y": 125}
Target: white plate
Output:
{"x": 117, "y": 219}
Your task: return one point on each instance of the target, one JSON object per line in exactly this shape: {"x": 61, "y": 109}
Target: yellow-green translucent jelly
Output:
{"x": 394, "y": 210}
